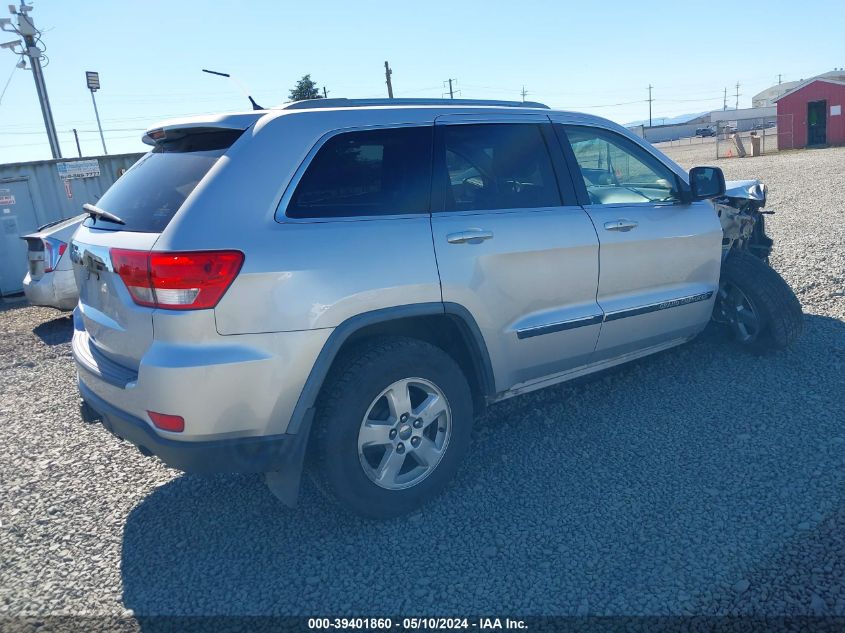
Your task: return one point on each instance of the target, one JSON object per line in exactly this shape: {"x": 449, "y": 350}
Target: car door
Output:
{"x": 513, "y": 246}
{"x": 660, "y": 254}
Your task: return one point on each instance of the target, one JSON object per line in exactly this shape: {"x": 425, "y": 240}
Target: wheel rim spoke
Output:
{"x": 431, "y": 409}
{"x": 374, "y": 434}
{"x": 391, "y": 464}
{"x": 398, "y": 398}
{"x": 428, "y": 453}
{"x": 740, "y": 313}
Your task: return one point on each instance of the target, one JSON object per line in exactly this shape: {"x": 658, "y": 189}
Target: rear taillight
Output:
{"x": 53, "y": 251}
{"x": 177, "y": 281}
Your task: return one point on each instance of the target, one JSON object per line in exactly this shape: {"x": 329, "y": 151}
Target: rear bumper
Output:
{"x": 55, "y": 289}
{"x": 239, "y": 455}
{"x": 224, "y": 387}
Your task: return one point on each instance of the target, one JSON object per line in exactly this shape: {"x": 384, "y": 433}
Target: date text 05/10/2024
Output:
{"x": 421, "y": 623}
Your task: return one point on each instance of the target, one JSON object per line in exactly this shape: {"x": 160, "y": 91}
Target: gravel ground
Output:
{"x": 700, "y": 481}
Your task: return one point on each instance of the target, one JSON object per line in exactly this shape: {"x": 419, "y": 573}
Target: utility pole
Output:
{"x": 779, "y": 81}
{"x": 78, "y": 149}
{"x": 26, "y": 29}
{"x": 737, "y": 95}
{"x": 725, "y": 101}
{"x": 452, "y": 91}
{"x": 93, "y": 80}
{"x": 325, "y": 93}
{"x": 387, "y": 73}
{"x": 649, "y": 104}
{"x": 523, "y": 93}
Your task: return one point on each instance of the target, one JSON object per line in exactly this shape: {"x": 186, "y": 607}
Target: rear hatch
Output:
{"x": 109, "y": 256}
{"x": 47, "y": 245}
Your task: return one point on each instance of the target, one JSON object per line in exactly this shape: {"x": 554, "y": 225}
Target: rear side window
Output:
{"x": 372, "y": 172}
{"x": 496, "y": 166}
{"x": 148, "y": 195}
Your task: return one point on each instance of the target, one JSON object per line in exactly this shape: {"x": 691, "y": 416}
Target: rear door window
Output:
{"x": 367, "y": 173}
{"x": 496, "y": 166}
{"x": 148, "y": 195}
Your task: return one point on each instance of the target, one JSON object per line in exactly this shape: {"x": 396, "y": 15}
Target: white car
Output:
{"x": 49, "y": 280}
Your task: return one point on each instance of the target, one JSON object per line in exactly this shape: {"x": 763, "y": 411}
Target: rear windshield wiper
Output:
{"x": 97, "y": 212}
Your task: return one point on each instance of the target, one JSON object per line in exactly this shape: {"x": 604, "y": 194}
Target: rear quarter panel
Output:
{"x": 303, "y": 274}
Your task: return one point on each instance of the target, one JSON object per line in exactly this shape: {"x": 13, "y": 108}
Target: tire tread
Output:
{"x": 782, "y": 313}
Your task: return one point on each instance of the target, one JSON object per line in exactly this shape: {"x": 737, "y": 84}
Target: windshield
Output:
{"x": 148, "y": 195}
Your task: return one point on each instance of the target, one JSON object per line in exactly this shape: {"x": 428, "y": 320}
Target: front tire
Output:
{"x": 392, "y": 427}
{"x": 757, "y": 305}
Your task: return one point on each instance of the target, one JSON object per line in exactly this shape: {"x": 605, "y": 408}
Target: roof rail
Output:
{"x": 343, "y": 102}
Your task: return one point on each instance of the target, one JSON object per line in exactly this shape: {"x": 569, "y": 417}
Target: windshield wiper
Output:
{"x": 97, "y": 212}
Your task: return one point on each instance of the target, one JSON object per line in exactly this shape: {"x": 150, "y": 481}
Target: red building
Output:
{"x": 812, "y": 114}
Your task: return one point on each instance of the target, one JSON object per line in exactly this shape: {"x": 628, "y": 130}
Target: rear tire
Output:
{"x": 757, "y": 305}
{"x": 386, "y": 393}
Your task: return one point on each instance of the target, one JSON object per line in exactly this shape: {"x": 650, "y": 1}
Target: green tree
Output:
{"x": 305, "y": 88}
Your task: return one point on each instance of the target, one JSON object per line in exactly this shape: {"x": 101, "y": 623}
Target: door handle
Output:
{"x": 473, "y": 236}
{"x": 620, "y": 225}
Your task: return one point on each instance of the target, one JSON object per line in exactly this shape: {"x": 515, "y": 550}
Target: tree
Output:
{"x": 305, "y": 88}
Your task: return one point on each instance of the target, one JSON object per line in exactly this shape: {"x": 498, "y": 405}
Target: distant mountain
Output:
{"x": 681, "y": 118}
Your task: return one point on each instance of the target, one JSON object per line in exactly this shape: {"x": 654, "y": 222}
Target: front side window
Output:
{"x": 616, "y": 170}
{"x": 372, "y": 172}
{"x": 497, "y": 166}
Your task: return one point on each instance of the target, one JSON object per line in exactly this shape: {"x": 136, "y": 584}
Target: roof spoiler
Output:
{"x": 179, "y": 128}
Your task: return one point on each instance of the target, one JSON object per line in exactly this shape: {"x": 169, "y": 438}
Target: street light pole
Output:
{"x": 93, "y": 81}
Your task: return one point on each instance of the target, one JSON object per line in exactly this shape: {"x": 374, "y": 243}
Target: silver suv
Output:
{"x": 348, "y": 283}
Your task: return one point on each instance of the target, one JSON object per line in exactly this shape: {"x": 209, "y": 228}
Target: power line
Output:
{"x": 41, "y": 144}
{"x": 8, "y": 81}
{"x": 603, "y": 105}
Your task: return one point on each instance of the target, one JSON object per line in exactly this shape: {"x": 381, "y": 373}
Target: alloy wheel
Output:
{"x": 404, "y": 433}
{"x": 739, "y": 312}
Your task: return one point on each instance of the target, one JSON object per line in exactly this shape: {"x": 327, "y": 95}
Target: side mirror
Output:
{"x": 706, "y": 182}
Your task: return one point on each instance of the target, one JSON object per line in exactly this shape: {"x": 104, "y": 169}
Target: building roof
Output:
{"x": 838, "y": 82}
{"x": 774, "y": 91}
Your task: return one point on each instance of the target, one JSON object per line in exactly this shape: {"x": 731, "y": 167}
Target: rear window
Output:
{"x": 148, "y": 195}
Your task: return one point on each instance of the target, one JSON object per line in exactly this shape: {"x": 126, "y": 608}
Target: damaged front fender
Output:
{"x": 747, "y": 190}
{"x": 741, "y": 215}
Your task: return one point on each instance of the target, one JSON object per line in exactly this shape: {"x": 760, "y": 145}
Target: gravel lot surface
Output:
{"x": 703, "y": 480}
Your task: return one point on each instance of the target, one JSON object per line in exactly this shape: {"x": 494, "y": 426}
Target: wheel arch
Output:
{"x": 442, "y": 324}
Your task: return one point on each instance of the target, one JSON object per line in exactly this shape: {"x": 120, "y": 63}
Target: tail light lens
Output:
{"x": 167, "y": 422}
{"x": 193, "y": 280}
{"x": 53, "y": 251}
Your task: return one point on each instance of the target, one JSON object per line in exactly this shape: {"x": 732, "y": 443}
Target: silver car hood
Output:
{"x": 749, "y": 189}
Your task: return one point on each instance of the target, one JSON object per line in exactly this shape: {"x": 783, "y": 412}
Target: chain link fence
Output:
{"x": 754, "y": 137}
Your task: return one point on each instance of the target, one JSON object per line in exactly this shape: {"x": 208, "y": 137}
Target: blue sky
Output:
{"x": 587, "y": 56}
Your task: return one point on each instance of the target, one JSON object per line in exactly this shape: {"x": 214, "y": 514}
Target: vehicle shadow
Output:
{"x": 654, "y": 490}
{"x": 55, "y": 332}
